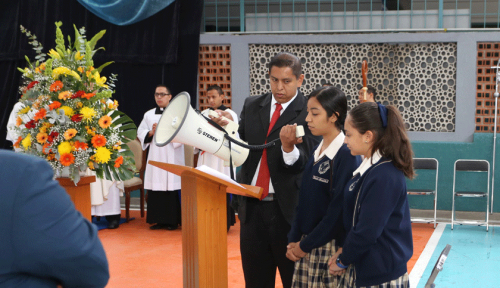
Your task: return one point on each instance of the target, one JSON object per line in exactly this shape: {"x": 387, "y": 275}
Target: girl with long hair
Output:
{"x": 317, "y": 230}
{"x": 376, "y": 213}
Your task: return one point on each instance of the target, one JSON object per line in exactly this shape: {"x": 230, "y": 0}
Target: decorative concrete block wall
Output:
{"x": 419, "y": 78}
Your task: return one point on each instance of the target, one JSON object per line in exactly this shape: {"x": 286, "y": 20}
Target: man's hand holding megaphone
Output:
{"x": 223, "y": 118}
{"x": 289, "y": 137}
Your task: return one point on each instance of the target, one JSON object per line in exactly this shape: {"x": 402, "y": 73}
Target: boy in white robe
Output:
{"x": 215, "y": 96}
{"x": 164, "y": 209}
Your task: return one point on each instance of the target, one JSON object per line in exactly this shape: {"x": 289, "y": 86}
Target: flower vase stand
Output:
{"x": 79, "y": 193}
{"x": 204, "y": 224}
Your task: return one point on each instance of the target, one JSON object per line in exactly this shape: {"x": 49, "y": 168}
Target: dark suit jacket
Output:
{"x": 44, "y": 241}
{"x": 254, "y": 123}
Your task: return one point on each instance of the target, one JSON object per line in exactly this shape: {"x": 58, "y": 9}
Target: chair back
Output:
{"x": 472, "y": 165}
{"x": 425, "y": 163}
{"x": 136, "y": 148}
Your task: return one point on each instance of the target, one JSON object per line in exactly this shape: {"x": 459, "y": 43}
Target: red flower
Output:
{"x": 33, "y": 83}
{"x": 76, "y": 118}
{"x": 78, "y": 94}
{"x": 53, "y": 135}
{"x": 30, "y": 125}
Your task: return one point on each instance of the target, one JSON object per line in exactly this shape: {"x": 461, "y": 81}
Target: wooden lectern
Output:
{"x": 79, "y": 194}
{"x": 204, "y": 224}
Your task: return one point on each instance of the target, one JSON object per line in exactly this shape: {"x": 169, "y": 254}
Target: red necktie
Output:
{"x": 264, "y": 176}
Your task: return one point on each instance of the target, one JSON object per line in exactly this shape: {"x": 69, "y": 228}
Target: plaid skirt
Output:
{"x": 311, "y": 271}
{"x": 350, "y": 280}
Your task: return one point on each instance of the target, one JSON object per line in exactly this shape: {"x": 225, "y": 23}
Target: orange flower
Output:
{"x": 54, "y": 105}
{"x": 56, "y": 86}
{"x": 51, "y": 156}
{"x": 81, "y": 145}
{"x": 19, "y": 121}
{"x": 65, "y": 95}
{"x": 18, "y": 141}
{"x": 70, "y": 133}
{"x": 42, "y": 137}
{"x": 98, "y": 141}
{"x": 105, "y": 121}
{"x": 91, "y": 165}
{"x": 67, "y": 159}
{"x": 119, "y": 161}
{"x": 40, "y": 114}
{"x": 88, "y": 95}
{"x": 45, "y": 146}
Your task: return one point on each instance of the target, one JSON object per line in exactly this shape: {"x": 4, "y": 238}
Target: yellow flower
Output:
{"x": 75, "y": 75}
{"x": 100, "y": 80}
{"x": 91, "y": 165}
{"x": 102, "y": 155}
{"x": 79, "y": 104}
{"x": 54, "y": 54}
{"x": 26, "y": 142}
{"x": 78, "y": 56}
{"x": 64, "y": 71}
{"x": 24, "y": 110}
{"x": 64, "y": 147}
{"x": 68, "y": 111}
{"x": 40, "y": 68}
{"x": 87, "y": 113}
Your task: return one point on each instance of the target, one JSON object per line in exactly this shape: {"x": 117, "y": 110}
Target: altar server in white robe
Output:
{"x": 164, "y": 209}
{"x": 105, "y": 200}
{"x": 215, "y": 96}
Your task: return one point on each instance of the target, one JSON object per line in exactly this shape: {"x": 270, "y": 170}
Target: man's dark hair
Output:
{"x": 163, "y": 85}
{"x": 372, "y": 90}
{"x": 217, "y": 88}
{"x": 286, "y": 59}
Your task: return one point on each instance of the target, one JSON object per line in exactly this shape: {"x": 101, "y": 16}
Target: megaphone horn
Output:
{"x": 180, "y": 123}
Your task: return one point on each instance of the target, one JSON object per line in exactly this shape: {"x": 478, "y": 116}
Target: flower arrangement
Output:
{"x": 68, "y": 116}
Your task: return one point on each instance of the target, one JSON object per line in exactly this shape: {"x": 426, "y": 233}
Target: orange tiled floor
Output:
{"x": 139, "y": 257}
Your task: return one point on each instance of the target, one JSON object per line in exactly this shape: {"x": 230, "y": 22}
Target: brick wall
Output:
{"x": 214, "y": 68}
{"x": 487, "y": 56}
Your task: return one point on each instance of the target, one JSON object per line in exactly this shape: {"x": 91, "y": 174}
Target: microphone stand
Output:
{"x": 497, "y": 79}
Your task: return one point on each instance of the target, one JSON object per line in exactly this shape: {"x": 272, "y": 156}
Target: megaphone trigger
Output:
{"x": 299, "y": 131}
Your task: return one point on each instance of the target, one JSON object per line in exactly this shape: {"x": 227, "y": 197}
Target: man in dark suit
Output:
{"x": 265, "y": 223}
{"x": 44, "y": 241}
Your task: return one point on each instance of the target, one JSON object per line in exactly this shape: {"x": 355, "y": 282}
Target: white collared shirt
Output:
{"x": 291, "y": 157}
{"x": 367, "y": 163}
{"x": 332, "y": 149}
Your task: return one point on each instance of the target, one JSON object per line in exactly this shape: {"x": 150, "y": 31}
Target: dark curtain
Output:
{"x": 162, "y": 49}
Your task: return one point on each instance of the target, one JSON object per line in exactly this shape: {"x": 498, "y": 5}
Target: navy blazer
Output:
{"x": 253, "y": 126}
{"x": 44, "y": 241}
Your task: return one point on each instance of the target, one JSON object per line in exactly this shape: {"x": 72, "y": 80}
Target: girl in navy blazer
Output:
{"x": 317, "y": 229}
{"x": 376, "y": 214}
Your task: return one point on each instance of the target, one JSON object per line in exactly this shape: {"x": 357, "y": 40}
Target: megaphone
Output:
{"x": 180, "y": 123}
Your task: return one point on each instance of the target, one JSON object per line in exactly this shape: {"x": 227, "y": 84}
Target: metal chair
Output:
{"x": 426, "y": 164}
{"x": 467, "y": 165}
